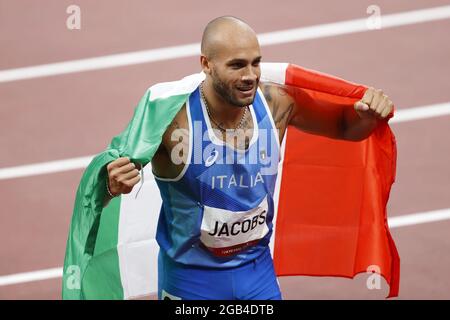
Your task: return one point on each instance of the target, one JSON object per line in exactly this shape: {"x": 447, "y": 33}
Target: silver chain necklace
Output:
{"x": 241, "y": 122}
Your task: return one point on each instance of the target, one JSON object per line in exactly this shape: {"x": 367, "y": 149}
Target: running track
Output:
{"x": 73, "y": 115}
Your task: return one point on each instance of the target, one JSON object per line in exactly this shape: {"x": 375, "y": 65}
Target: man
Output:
{"x": 216, "y": 219}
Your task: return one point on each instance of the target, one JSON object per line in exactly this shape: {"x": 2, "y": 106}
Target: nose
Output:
{"x": 249, "y": 75}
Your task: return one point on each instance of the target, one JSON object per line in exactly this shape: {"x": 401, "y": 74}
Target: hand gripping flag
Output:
{"x": 331, "y": 197}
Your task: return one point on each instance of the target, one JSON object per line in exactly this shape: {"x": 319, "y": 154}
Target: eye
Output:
{"x": 237, "y": 65}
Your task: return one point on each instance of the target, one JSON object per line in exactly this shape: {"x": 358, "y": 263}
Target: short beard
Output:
{"x": 227, "y": 93}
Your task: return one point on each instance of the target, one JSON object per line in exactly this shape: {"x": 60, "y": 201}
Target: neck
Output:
{"x": 224, "y": 113}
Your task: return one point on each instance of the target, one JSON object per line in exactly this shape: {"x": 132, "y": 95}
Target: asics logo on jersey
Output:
{"x": 212, "y": 158}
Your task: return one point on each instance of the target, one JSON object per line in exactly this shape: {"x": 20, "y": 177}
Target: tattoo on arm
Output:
{"x": 281, "y": 117}
{"x": 267, "y": 93}
{"x": 281, "y": 91}
{"x": 280, "y": 113}
{"x": 280, "y": 106}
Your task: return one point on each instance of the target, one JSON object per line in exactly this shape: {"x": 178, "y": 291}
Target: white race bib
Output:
{"x": 226, "y": 233}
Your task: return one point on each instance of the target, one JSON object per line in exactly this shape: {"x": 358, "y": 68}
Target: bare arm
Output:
{"x": 168, "y": 161}
{"x": 332, "y": 121}
{"x": 286, "y": 111}
{"x": 172, "y": 153}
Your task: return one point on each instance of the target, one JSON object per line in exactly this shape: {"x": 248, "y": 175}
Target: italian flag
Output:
{"x": 330, "y": 198}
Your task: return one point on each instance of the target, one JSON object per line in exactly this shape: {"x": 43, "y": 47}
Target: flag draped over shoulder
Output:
{"x": 331, "y": 217}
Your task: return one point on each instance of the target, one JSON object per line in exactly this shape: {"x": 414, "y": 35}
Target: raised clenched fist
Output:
{"x": 122, "y": 176}
{"x": 374, "y": 104}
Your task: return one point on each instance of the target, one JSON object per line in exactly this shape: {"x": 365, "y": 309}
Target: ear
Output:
{"x": 205, "y": 64}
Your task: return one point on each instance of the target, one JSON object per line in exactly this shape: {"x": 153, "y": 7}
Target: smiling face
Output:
{"x": 232, "y": 61}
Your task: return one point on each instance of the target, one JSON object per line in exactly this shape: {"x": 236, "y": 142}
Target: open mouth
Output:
{"x": 247, "y": 90}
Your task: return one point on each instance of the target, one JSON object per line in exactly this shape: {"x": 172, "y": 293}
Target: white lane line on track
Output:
{"x": 423, "y": 112}
{"x": 32, "y": 276}
{"x": 394, "y": 222}
{"x": 404, "y": 115}
{"x": 192, "y": 49}
{"x": 45, "y": 168}
{"x": 411, "y": 114}
{"x": 419, "y": 218}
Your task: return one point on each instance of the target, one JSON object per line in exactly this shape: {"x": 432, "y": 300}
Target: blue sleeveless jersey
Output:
{"x": 218, "y": 212}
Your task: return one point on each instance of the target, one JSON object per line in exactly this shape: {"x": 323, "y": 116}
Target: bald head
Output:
{"x": 230, "y": 60}
{"x": 225, "y": 32}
